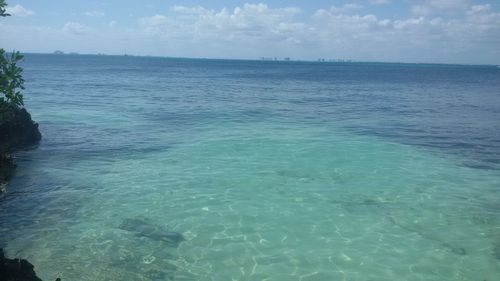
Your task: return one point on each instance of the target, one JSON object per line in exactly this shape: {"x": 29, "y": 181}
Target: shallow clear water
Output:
{"x": 271, "y": 171}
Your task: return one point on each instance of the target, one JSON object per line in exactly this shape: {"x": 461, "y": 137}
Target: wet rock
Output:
{"x": 7, "y": 169}
{"x": 17, "y": 131}
{"x": 16, "y": 269}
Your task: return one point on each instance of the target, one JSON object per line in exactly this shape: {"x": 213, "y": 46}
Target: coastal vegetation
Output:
{"x": 3, "y": 11}
{"x": 11, "y": 79}
{"x": 11, "y": 84}
{"x": 17, "y": 130}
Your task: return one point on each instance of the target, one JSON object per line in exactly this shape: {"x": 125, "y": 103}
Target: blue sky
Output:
{"x": 440, "y": 31}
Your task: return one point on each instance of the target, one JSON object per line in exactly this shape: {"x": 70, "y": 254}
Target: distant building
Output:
{"x": 340, "y": 60}
{"x": 57, "y": 52}
{"x": 286, "y": 59}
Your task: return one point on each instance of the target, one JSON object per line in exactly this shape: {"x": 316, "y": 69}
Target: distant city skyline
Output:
{"x": 421, "y": 31}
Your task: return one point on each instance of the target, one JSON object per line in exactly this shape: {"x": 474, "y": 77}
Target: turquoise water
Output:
{"x": 271, "y": 171}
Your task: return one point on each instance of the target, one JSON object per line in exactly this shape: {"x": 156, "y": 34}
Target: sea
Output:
{"x": 267, "y": 170}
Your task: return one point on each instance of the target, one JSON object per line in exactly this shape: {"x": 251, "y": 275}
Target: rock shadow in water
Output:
{"x": 143, "y": 228}
{"x": 456, "y": 249}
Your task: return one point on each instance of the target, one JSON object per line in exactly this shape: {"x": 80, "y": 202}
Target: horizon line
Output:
{"x": 262, "y": 59}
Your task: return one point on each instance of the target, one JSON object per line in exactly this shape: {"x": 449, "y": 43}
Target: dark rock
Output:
{"x": 16, "y": 269}
{"x": 7, "y": 168}
{"x": 17, "y": 131}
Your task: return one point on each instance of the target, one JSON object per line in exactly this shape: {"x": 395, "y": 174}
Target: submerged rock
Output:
{"x": 496, "y": 251}
{"x": 144, "y": 228}
{"x": 16, "y": 269}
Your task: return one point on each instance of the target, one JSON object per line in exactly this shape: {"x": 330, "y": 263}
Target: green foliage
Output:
{"x": 11, "y": 82}
{"x": 3, "y": 13}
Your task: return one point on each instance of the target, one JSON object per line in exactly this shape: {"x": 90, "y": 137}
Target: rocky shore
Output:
{"x": 16, "y": 269}
{"x": 17, "y": 131}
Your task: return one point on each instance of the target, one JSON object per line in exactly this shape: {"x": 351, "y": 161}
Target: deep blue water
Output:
{"x": 271, "y": 170}
{"x": 448, "y": 108}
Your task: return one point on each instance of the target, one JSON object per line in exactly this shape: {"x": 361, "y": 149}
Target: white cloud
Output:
{"x": 94, "y": 14}
{"x": 76, "y": 28}
{"x": 19, "y": 10}
{"x": 484, "y": 18}
{"x": 339, "y": 29}
{"x": 447, "y": 4}
{"x": 480, "y": 8}
{"x": 158, "y": 25}
{"x": 250, "y": 20}
{"x": 448, "y": 29}
{"x": 379, "y": 2}
{"x": 155, "y": 20}
{"x": 432, "y": 7}
{"x": 198, "y": 10}
{"x": 346, "y": 8}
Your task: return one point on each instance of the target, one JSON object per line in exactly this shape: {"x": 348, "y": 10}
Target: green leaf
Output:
{"x": 3, "y": 12}
{"x": 11, "y": 80}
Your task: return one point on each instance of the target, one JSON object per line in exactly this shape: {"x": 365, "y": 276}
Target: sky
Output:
{"x": 422, "y": 31}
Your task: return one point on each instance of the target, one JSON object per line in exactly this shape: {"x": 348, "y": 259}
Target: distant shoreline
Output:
{"x": 281, "y": 60}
